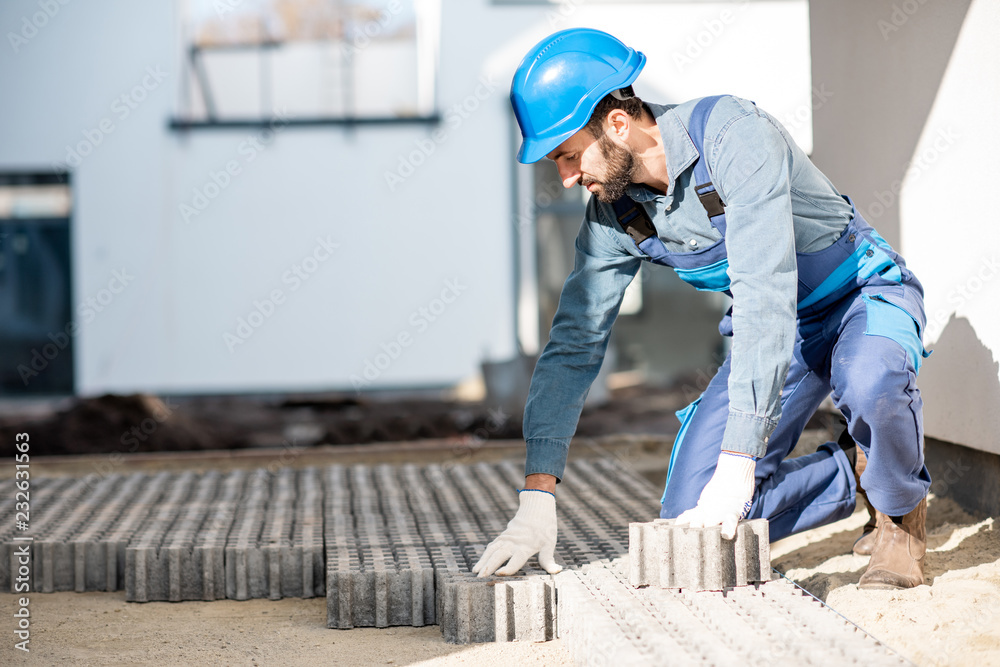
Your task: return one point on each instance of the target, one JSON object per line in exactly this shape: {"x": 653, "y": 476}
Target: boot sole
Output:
{"x": 882, "y": 587}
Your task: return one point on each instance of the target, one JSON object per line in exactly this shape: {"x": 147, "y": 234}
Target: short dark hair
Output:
{"x": 633, "y": 106}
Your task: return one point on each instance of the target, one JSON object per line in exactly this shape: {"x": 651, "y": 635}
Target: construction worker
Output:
{"x": 716, "y": 189}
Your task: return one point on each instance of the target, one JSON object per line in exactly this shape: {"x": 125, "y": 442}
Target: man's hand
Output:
{"x": 727, "y": 496}
{"x": 531, "y": 531}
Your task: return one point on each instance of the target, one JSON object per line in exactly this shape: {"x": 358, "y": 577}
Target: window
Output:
{"x": 37, "y": 327}
{"x": 308, "y": 60}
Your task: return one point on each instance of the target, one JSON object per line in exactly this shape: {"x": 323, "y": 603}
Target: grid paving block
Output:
{"x": 53, "y": 549}
{"x": 90, "y": 554}
{"x": 41, "y": 493}
{"x": 342, "y": 563}
{"x": 666, "y": 555}
{"x": 246, "y": 567}
{"x": 274, "y": 535}
{"x": 200, "y": 539}
{"x": 180, "y": 552}
{"x": 497, "y": 609}
{"x": 303, "y": 570}
{"x": 472, "y": 609}
{"x": 145, "y": 566}
{"x": 106, "y": 539}
{"x": 448, "y": 561}
{"x": 389, "y": 589}
{"x": 275, "y": 545}
{"x": 49, "y": 506}
{"x": 342, "y": 559}
{"x": 373, "y": 590}
{"x": 378, "y": 571}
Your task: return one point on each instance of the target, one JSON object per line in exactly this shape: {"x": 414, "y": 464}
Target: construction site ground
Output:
{"x": 953, "y": 620}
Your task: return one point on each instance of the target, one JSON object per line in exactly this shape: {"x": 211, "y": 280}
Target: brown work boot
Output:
{"x": 864, "y": 544}
{"x": 898, "y": 555}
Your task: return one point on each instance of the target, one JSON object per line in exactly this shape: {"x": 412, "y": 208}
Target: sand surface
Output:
{"x": 103, "y": 629}
{"x": 954, "y": 619}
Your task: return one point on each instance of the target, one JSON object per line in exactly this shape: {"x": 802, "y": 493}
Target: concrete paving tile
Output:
{"x": 179, "y": 552}
{"x": 666, "y": 555}
{"x": 48, "y": 500}
{"x": 54, "y": 562}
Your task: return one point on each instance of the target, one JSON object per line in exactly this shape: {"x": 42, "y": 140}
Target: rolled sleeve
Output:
{"x": 578, "y": 340}
{"x": 751, "y": 168}
{"x": 546, "y": 455}
{"x": 747, "y": 433}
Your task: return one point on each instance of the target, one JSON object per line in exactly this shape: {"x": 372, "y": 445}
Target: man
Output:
{"x": 717, "y": 189}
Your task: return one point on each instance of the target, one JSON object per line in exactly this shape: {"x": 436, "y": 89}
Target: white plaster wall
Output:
{"x": 910, "y": 132}
{"x": 951, "y": 237}
{"x": 190, "y": 281}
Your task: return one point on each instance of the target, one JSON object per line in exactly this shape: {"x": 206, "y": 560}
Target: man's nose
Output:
{"x": 569, "y": 174}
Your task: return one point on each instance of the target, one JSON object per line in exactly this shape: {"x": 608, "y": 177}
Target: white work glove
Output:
{"x": 727, "y": 497}
{"x": 531, "y": 531}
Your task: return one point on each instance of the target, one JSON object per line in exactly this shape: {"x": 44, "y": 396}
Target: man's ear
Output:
{"x": 619, "y": 123}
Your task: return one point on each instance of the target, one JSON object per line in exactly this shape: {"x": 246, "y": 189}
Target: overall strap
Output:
{"x": 633, "y": 218}
{"x": 707, "y": 193}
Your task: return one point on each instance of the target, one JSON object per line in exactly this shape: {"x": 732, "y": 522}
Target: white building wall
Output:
{"x": 188, "y": 280}
{"x": 910, "y": 132}
{"x": 951, "y": 236}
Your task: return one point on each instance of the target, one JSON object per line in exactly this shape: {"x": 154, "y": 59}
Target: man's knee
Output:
{"x": 875, "y": 385}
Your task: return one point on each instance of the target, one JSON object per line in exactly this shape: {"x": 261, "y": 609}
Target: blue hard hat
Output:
{"x": 559, "y": 83}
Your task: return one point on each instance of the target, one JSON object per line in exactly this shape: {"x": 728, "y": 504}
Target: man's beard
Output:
{"x": 620, "y": 167}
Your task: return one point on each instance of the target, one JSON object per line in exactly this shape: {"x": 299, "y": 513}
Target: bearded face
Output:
{"x": 620, "y": 167}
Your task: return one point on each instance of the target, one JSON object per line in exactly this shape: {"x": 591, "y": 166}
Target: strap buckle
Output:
{"x": 710, "y": 200}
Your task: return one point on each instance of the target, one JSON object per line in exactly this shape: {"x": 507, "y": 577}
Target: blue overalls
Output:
{"x": 860, "y": 318}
